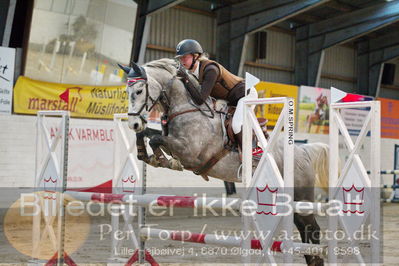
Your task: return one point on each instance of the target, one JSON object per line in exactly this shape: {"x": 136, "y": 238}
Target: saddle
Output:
{"x": 234, "y": 141}
{"x": 231, "y": 139}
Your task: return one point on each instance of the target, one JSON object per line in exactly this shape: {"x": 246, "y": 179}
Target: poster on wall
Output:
{"x": 354, "y": 118}
{"x": 85, "y": 101}
{"x": 269, "y": 89}
{"x": 389, "y": 118}
{"x": 314, "y": 108}
{"x": 7, "y": 64}
{"x": 313, "y": 114}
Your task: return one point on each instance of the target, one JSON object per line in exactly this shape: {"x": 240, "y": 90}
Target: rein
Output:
{"x": 170, "y": 117}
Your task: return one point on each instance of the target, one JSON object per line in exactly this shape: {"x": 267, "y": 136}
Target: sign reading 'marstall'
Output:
{"x": 103, "y": 102}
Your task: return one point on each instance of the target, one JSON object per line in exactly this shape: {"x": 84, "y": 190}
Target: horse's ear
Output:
{"x": 136, "y": 68}
{"x": 124, "y": 68}
{"x": 140, "y": 71}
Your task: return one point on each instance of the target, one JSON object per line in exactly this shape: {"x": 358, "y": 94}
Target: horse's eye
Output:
{"x": 139, "y": 92}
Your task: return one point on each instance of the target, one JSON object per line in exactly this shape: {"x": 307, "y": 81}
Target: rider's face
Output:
{"x": 186, "y": 60}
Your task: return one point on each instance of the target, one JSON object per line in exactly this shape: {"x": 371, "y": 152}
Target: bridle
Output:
{"x": 145, "y": 106}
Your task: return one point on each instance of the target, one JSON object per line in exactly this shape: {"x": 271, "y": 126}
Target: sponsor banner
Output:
{"x": 389, "y": 118}
{"x": 354, "y": 117}
{"x": 269, "y": 89}
{"x": 90, "y": 153}
{"x": 7, "y": 62}
{"x": 100, "y": 102}
{"x": 313, "y": 110}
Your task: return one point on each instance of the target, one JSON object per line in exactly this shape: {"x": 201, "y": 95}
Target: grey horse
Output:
{"x": 194, "y": 137}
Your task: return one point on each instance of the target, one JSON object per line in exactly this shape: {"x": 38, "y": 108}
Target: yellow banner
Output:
{"x": 269, "y": 89}
{"x": 101, "y": 102}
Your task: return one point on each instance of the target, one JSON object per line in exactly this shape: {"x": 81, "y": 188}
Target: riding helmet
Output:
{"x": 188, "y": 46}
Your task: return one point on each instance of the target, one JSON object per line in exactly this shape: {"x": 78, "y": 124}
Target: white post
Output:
{"x": 37, "y": 218}
{"x": 141, "y": 213}
{"x": 375, "y": 167}
{"x": 288, "y": 220}
{"x": 246, "y": 176}
{"x": 115, "y": 219}
{"x": 64, "y": 179}
{"x": 333, "y": 179}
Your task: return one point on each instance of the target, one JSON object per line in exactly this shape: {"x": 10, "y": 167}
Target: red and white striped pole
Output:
{"x": 182, "y": 201}
{"x": 158, "y": 200}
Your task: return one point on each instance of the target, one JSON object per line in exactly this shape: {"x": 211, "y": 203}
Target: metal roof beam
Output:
{"x": 235, "y": 22}
{"x": 312, "y": 39}
{"x": 306, "y": 19}
{"x": 340, "y": 6}
{"x": 145, "y": 8}
{"x": 265, "y": 18}
{"x": 155, "y": 6}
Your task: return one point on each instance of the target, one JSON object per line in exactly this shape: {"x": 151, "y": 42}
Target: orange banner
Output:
{"x": 389, "y": 118}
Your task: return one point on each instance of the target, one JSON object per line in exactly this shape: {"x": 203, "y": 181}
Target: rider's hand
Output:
{"x": 182, "y": 72}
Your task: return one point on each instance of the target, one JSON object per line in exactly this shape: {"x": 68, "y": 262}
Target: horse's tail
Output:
{"x": 318, "y": 154}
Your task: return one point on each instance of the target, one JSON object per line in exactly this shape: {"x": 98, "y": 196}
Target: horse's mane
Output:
{"x": 168, "y": 64}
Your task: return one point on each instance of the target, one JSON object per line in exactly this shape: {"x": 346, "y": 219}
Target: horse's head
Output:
{"x": 152, "y": 84}
{"x": 140, "y": 101}
{"x": 148, "y": 86}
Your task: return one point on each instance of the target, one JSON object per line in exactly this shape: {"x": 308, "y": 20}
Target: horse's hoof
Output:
{"x": 153, "y": 161}
{"x": 205, "y": 177}
{"x": 175, "y": 165}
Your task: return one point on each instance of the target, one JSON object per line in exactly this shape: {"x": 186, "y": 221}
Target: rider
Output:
{"x": 214, "y": 80}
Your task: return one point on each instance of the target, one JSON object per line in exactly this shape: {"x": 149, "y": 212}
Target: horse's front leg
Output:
{"x": 158, "y": 141}
{"x": 142, "y": 154}
{"x": 173, "y": 144}
{"x": 158, "y": 159}
{"x": 142, "y": 149}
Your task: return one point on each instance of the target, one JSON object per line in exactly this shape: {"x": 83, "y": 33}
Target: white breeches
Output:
{"x": 239, "y": 113}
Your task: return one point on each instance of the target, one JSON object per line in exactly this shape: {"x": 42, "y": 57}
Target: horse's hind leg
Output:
{"x": 310, "y": 233}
